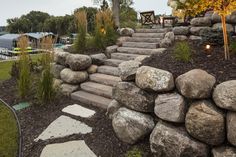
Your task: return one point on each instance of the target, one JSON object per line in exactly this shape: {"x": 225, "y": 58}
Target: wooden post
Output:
{"x": 226, "y": 43}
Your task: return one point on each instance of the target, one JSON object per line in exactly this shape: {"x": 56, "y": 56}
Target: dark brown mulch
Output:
{"x": 214, "y": 64}
{"x": 35, "y": 119}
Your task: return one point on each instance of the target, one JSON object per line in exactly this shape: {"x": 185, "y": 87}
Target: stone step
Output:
{"x": 150, "y": 30}
{"x": 148, "y": 40}
{"x": 97, "y": 89}
{"x": 140, "y": 51}
{"x": 125, "y": 56}
{"x": 149, "y": 35}
{"x": 91, "y": 99}
{"x": 141, "y": 45}
{"x": 109, "y": 70}
{"x": 104, "y": 79}
{"x": 113, "y": 62}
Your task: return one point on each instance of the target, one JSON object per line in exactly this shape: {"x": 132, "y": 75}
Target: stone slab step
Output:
{"x": 141, "y": 45}
{"x": 109, "y": 70}
{"x": 113, "y": 62}
{"x": 91, "y": 99}
{"x": 104, "y": 79}
{"x": 149, "y": 35}
{"x": 125, "y": 56}
{"x": 98, "y": 89}
{"x": 150, "y": 30}
{"x": 140, "y": 51}
{"x": 148, "y": 40}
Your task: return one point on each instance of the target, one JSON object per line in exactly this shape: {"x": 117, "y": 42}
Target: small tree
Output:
{"x": 221, "y": 7}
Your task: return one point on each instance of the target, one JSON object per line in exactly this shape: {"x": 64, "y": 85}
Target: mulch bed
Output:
{"x": 102, "y": 141}
{"x": 214, "y": 64}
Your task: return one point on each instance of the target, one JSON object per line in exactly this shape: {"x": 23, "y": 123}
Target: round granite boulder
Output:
{"x": 78, "y": 62}
{"x": 73, "y": 77}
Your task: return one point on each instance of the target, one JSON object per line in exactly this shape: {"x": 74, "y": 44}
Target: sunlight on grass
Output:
{"x": 8, "y": 133}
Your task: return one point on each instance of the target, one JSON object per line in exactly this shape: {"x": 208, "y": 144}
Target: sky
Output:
{"x": 16, "y": 8}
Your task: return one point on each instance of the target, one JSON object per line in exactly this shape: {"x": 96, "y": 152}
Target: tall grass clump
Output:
{"x": 24, "y": 79}
{"x": 46, "y": 91}
{"x": 80, "y": 42}
{"x": 105, "y": 33}
{"x": 182, "y": 51}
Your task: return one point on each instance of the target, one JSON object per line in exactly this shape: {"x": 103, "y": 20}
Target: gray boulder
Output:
{"x": 197, "y": 30}
{"x": 165, "y": 43}
{"x": 218, "y": 27}
{"x": 98, "y": 59}
{"x": 131, "y": 126}
{"x": 181, "y": 30}
{"x": 131, "y": 96}
{"x": 128, "y": 70}
{"x": 126, "y": 31}
{"x": 67, "y": 89}
{"x": 224, "y": 95}
{"x": 181, "y": 37}
{"x": 194, "y": 38}
{"x": 217, "y": 19}
{"x": 112, "y": 108}
{"x": 201, "y": 21}
{"x": 170, "y": 36}
{"x": 110, "y": 50}
{"x": 170, "y": 107}
{"x": 195, "y": 84}
{"x": 60, "y": 57}
{"x": 206, "y": 122}
{"x": 231, "y": 127}
{"x": 56, "y": 70}
{"x": 224, "y": 151}
{"x": 170, "y": 141}
{"x": 78, "y": 62}
{"x": 92, "y": 69}
{"x": 73, "y": 77}
{"x": 153, "y": 79}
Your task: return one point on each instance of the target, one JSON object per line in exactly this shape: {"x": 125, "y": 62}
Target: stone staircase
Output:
{"x": 98, "y": 90}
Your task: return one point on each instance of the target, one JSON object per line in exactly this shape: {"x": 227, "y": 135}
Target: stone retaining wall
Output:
{"x": 188, "y": 116}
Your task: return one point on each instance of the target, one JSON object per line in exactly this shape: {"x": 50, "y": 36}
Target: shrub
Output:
{"x": 105, "y": 33}
{"x": 24, "y": 79}
{"x": 80, "y": 43}
{"x": 128, "y": 21}
{"x": 232, "y": 47}
{"x": 46, "y": 90}
{"x": 135, "y": 152}
{"x": 182, "y": 51}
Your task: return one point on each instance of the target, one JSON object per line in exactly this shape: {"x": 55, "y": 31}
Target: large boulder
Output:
{"x": 131, "y": 126}
{"x": 153, "y": 79}
{"x": 170, "y": 107}
{"x": 224, "y": 95}
{"x": 60, "y": 57}
{"x": 112, "y": 108}
{"x": 98, "y": 59}
{"x": 197, "y": 30}
{"x": 181, "y": 30}
{"x": 195, "y": 84}
{"x": 165, "y": 43}
{"x": 92, "y": 69}
{"x": 231, "y": 127}
{"x": 195, "y": 39}
{"x": 170, "y": 36}
{"x": 206, "y": 122}
{"x": 78, "y": 62}
{"x": 110, "y": 50}
{"x": 126, "y": 31}
{"x": 56, "y": 70}
{"x": 217, "y": 19}
{"x": 181, "y": 37}
{"x": 218, "y": 27}
{"x": 131, "y": 96}
{"x": 128, "y": 70}
{"x": 67, "y": 89}
{"x": 201, "y": 21}
{"x": 73, "y": 77}
{"x": 170, "y": 141}
{"x": 224, "y": 151}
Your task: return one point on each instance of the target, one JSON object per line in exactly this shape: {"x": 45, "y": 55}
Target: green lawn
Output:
{"x": 8, "y": 133}
{"x": 5, "y": 67}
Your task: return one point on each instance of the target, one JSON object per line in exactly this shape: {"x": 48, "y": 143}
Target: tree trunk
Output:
{"x": 116, "y": 12}
{"x": 226, "y": 43}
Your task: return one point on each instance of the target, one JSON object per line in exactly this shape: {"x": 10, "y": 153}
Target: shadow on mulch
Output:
{"x": 214, "y": 64}
{"x": 102, "y": 141}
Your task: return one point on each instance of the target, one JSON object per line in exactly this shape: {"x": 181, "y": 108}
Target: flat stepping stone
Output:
{"x": 104, "y": 79}
{"x": 67, "y": 149}
{"x": 78, "y": 110}
{"x": 62, "y": 127}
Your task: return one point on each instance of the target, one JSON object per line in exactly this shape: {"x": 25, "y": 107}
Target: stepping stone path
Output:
{"x": 97, "y": 90}
{"x": 78, "y": 110}
{"x": 67, "y": 149}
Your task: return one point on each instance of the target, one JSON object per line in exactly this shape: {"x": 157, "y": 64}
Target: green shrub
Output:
{"x": 182, "y": 51}
{"x": 128, "y": 21}
{"x": 46, "y": 91}
{"x": 24, "y": 79}
{"x": 135, "y": 152}
{"x": 80, "y": 42}
{"x": 105, "y": 34}
{"x": 232, "y": 47}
